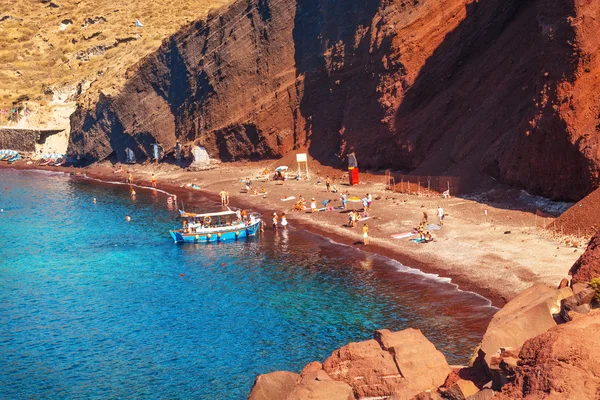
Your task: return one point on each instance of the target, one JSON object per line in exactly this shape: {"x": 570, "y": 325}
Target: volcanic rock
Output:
{"x": 370, "y": 370}
{"x": 587, "y": 267}
{"x": 483, "y": 394}
{"x": 393, "y": 362}
{"x": 461, "y": 390}
{"x": 497, "y": 87}
{"x": 419, "y": 362}
{"x": 559, "y": 364}
{"x": 526, "y": 316}
{"x": 273, "y": 386}
{"x": 319, "y": 386}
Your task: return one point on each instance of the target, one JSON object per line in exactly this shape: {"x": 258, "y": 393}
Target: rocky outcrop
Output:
{"x": 526, "y": 316}
{"x": 393, "y": 361}
{"x": 453, "y": 87}
{"x": 587, "y": 267}
{"x": 24, "y": 139}
{"x": 273, "y": 386}
{"x": 559, "y": 364}
{"x": 403, "y": 363}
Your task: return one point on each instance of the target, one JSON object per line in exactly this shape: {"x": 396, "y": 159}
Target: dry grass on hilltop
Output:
{"x": 64, "y": 42}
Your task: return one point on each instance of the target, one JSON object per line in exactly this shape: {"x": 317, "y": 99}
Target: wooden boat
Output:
{"x": 214, "y": 227}
{"x": 14, "y": 159}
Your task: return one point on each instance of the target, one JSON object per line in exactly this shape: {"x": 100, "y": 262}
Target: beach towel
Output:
{"x": 289, "y": 198}
{"x": 403, "y": 235}
{"x": 433, "y": 227}
{"x": 363, "y": 219}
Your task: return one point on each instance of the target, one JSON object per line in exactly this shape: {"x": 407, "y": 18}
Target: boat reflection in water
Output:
{"x": 215, "y": 227}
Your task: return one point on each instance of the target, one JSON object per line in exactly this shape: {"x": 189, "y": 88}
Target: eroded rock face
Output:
{"x": 587, "y": 267}
{"x": 447, "y": 87}
{"x": 394, "y": 361}
{"x": 559, "y": 364}
{"x": 273, "y": 386}
{"x": 526, "y": 316}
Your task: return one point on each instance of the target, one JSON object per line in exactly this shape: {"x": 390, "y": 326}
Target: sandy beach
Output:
{"x": 496, "y": 252}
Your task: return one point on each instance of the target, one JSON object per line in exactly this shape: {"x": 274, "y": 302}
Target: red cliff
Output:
{"x": 505, "y": 88}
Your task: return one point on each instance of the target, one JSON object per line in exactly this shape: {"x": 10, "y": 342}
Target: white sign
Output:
{"x": 301, "y": 157}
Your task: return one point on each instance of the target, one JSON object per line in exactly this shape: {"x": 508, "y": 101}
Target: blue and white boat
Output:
{"x": 8, "y": 154}
{"x": 214, "y": 227}
{"x": 14, "y": 158}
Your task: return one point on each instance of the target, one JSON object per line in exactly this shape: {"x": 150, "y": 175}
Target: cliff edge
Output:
{"x": 454, "y": 87}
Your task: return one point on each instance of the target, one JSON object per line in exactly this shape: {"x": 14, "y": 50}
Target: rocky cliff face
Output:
{"x": 505, "y": 88}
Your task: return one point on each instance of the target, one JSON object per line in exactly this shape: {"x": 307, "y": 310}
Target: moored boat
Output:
{"x": 214, "y": 227}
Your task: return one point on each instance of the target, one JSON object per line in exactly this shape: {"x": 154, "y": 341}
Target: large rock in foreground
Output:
{"x": 404, "y": 362}
{"x": 588, "y": 266}
{"x": 273, "y": 386}
{"x": 394, "y": 361}
{"x": 560, "y": 364}
{"x": 529, "y": 314}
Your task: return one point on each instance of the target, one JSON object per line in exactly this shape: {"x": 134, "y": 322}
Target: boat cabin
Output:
{"x": 196, "y": 222}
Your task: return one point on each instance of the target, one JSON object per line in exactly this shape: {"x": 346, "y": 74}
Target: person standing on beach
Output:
{"x": 130, "y": 178}
{"x": 369, "y": 200}
{"x": 226, "y": 198}
{"x": 365, "y": 207}
{"x": 344, "y": 200}
{"x": 351, "y": 219}
{"x": 366, "y": 234}
{"x": 313, "y": 205}
{"x": 424, "y": 219}
{"x": 153, "y": 180}
{"x": 275, "y": 220}
{"x": 222, "y": 193}
{"x": 440, "y": 215}
{"x": 327, "y": 184}
{"x": 283, "y": 221}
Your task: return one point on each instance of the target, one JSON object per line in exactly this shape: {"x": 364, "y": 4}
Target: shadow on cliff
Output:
{"x": 483, "y": 104}
{"x": 334, "y": 61}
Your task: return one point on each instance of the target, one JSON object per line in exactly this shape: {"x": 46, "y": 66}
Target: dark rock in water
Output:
{"x": 459, "y": 93}
{"x": 587, "y": 267}
{"x": 273, "y": 386}
{"x": 559, "y": 364}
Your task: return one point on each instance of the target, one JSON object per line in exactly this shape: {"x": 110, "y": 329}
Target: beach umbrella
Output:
{"x": 282, "y": 168}
{"x": 353, "y": 199}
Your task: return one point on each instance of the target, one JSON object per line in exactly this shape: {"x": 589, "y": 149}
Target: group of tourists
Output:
{"x": 421, "y": 229}
{"x": 276, "y": 220}
{"x": 130, "y": 179}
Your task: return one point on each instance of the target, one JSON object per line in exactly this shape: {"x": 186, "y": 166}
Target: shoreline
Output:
{"x": 486, "y": 279}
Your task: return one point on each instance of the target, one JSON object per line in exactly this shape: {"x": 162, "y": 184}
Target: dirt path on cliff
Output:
{"x": 495, "y": 252}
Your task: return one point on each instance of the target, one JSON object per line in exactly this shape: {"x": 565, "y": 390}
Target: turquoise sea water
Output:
{"x": 92, "y": 306}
